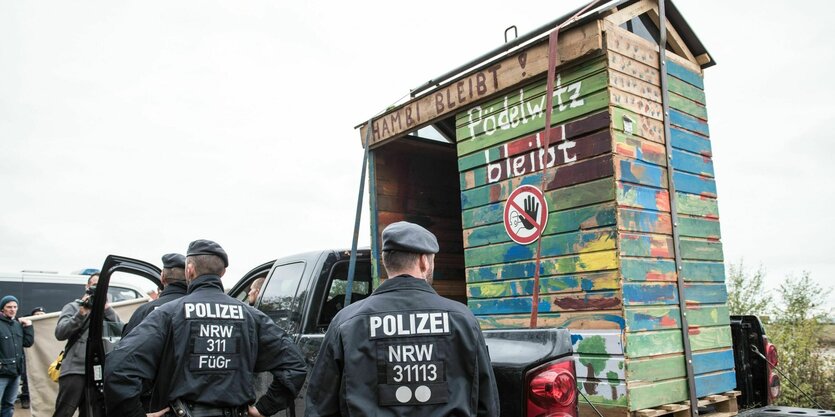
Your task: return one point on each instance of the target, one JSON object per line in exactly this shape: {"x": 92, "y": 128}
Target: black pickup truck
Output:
{"x": 302, "y": 293}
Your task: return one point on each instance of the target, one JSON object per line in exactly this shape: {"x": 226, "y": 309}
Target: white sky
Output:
{"x": 134, "y": 127}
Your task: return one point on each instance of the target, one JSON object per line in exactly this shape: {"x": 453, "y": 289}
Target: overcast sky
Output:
{"x": 136, "y": 127}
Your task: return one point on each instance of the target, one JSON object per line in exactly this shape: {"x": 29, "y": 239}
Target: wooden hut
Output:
{"x": 631, "y": 248}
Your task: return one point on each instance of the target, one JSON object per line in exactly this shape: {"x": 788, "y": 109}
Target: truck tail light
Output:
{"x": 773, "y": 379}
{"x": 552, "y": 390}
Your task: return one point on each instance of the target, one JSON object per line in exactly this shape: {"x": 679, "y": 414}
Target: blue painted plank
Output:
{"x": 688, "y": 122}
{"x": 648, "y": 269}
{"x": 703, "y": 271}
{"x": 706, "y": 362}
{"x": 694, "y": 184}
{"x": 692, "y": 163}
{"x": 685, "y": 74}
{"x": 649, "y": 293}
{"x": 689, "y": 141}
{"x": 717, "y": 383}
{"x": 638, "y": 172}
{"x": 706, "y": 293}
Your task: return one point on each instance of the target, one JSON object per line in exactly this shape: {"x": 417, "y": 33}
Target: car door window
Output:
{"x": 337, "y": 285}
{"x": 279, "y": 300}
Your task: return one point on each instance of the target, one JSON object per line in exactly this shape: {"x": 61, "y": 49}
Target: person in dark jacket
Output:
{"x": 14, "y": 336}
{"x": 173, "y": 279}
{"x": 203, "y": 350}
{"x": 73, "y": 323}
{"x": 404, "y": 350}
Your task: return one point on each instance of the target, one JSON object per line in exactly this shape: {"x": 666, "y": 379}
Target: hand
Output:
{"x": 159, "y": 413}
{"x": 532, "y": 209}
{"x": 253, "y": 412}
{"x": 25, "y": 322}
{"x": 83, "y": 310}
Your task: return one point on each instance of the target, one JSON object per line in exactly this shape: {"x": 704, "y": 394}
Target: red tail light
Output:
{"x": 552, "y": 390}
{"x": 773, "y": 379}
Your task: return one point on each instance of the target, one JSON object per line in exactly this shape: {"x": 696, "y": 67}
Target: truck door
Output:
{"x": 102, "y": 335}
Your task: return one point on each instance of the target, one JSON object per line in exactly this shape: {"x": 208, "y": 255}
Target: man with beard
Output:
{"x": 404, "y": 350}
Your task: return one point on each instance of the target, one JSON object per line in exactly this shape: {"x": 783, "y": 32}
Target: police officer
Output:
{"x": 173, "y": 279}
{"x": 203, "y": 350}
{"x": 404, "y": 350}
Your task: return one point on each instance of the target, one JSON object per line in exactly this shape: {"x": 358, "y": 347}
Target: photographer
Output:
{"x": 72, "y": 326}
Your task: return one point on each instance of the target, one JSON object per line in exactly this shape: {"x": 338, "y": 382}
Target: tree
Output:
{"x": 746, "y": 295}
{"x": 798, "y": 320}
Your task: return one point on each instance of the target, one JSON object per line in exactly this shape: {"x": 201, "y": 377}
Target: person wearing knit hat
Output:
{"x": 14, "y": 336}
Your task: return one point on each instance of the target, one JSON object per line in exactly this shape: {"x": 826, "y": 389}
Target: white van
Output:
{"x": 52, "y": 291}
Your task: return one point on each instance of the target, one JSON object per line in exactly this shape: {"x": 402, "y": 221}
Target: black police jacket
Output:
{"x": 204, "y": 348}
{"x": 170, "y": 293}
{"x": 403, "y": 351}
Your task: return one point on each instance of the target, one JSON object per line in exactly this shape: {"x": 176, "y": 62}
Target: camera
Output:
{"x": 89, "y": 301}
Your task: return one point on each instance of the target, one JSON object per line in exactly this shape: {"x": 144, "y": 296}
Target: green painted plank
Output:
{"x": 656, "y": 246}
{"x": 656, "y": 369}
{"x": 687, "y": 90}
{"x": 705, "y": 293}
{"x": 568, "y": 320}
{"x": 644, "y": 221}
{"x": 688, "y": 106}
{"x": 704, "y": 338}
{"x": 701, "y": 250}
{"x": 636, "y": 196}
{"x": 593, "y": 102}
{"x": 554, "y": 245}
{"x": 642, "y": 344}
{"x": 703, "y": 271}
{"x": 584, "y": 262}
{"x": 570, "y": 302}
{"x": 593, "y": 281}
{"x": 564, "y": 198}
{"x": 698, "y": 227}
{"x": 708, "y": 315}
{"x": 648, "y": 269}
{"x": 653, "y": 395}
{"x": 583, "y": 218}
{"x": 697, "y": 205}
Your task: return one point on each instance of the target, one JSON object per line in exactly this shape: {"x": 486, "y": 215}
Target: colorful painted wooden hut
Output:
{"x": 627, "y": 253}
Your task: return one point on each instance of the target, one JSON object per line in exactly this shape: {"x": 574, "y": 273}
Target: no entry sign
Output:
{"x": 525, "y": 214}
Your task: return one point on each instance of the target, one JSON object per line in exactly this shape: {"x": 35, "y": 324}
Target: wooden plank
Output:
{"x": 603, "y": 393}
{"x": 518, "y": 68}
{"x": 697, "y": 205}
{"x": 688, "y": 122}
{"x": 597, "y": 367}
{"x": 560, "y": 153}
{"x": 653, "y": 395}
{"x": 713, "y": 361}
{"x": 715, "y": 383}
{"x": 644, "y": 221}
{"x": 635, "y": 196}
{"x": 637, "y": 86}
{"x": 450, "y": 288}
{"x": 691, "y": 142}
{"x": 622, "y": 64}
{"x": 584, "y": 262}
{"x": 583, "y": 218}
{"x": 593, "y": 281}
{"x": 645, "y": 107}
{"x": 642, "y": 318}
{"x": 688, "y": 106}
{"x": 692, "y": 163}
{"x": 523, "y": 145}
{"x": 701, "y": 250}
{"x": 676, "y": 69}
{"x": 585, "y": 320}
{"x": 656, "y": 368}
{"x": 647, "y": 269}
{"x": 605, "y": 343}
{"x": 585, "y": 410}
{"x": 588, "y": 301}
{"x": 649, "y": 293}
{"x": 703, "y": 271}
{"x": 580, "y": 172}
{"x": 704, "y": 338}
{"x": 705, "y": 293}
{"x": 673, "y": 38}
{"x": 642, "y": 150}
{"x": 641, "y": 245}
{"x": 642, "y": 344}
{"x": 699, "y": 227}
{"x": 579, "y": 195}
{"x": 628, "y": 13}
{"x": 630, "y": 45}
{"x": 641, "y": 173}
{"x": 694, "y": 184}
{"x": 684, "y": 89}
{"x": 635, "y": 124}
{"x": 554, "y": 245}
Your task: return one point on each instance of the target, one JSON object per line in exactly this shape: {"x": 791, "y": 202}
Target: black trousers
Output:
{"x": 70, "y": 396}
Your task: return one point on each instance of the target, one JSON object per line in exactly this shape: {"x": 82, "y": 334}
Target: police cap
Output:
{"x": 207, "y": 247}
{"x": 409, "y": 237}
{"x": 173, "y": 260}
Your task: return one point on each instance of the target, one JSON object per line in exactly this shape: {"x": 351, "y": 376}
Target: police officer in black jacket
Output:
{"x": 204, "y": 349}
{"x": 405, "y": 350}
{"x": 173, "y": 279}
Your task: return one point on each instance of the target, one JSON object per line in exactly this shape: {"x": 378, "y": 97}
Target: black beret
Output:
{"x": 207, "y": 247}
{"x": 173, "y": 260}
{"x": 409, "y": 237}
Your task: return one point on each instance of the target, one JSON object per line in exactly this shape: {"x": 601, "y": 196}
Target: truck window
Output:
{"x": 278, "y": 300}
{"x": 337, "y": 283}
{"x": 122, "y": 294}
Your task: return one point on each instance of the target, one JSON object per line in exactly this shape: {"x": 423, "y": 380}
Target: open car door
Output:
{"x": 96, "y": 349}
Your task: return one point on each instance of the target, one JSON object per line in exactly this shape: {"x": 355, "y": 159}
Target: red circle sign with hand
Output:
{"x": 525, "y": 214}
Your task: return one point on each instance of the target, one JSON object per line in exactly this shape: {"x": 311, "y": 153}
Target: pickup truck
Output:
{"x": 534, "y": 368}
